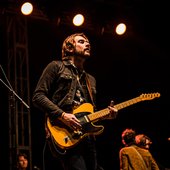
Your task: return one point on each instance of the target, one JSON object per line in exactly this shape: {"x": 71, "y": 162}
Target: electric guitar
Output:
{"x": 65, "y": 137}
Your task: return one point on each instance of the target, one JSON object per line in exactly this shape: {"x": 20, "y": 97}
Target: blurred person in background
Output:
{"x": 133, "y": 157}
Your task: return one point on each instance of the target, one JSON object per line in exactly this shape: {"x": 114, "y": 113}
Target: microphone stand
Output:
{"x": 15, "y": 93}
{"x": 10, "y": 88}
{"x": 14, "y": 120}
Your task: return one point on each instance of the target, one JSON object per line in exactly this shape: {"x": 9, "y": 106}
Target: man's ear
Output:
{"x": 124, "y": 143}
{"x": 69, "y": 47}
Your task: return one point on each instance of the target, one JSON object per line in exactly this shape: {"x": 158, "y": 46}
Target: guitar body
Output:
{"x": 65, "y": 137}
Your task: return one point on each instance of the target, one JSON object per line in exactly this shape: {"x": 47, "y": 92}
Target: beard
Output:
{"x": 82, "y": 54}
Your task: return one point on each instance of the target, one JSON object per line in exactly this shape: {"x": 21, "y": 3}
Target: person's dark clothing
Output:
{"x": 56, "y": 88}
{"x": 60, "y": 86}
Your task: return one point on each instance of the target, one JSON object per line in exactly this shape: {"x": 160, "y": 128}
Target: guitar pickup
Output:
{"x": 77, "y": 134}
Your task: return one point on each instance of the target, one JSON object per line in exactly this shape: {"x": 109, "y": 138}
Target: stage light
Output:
{"x": 27, "y": 8}
{"x": 120, "y": 28}
{"x": 78, "y": 20}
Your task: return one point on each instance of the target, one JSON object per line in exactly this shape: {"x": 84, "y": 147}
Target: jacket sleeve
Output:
{"x": 123, "y": 160}
{"x": 41, "y": 96}
{"x": 154, "y": 165}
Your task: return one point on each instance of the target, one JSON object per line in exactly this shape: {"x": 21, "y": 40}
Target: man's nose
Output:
{"x": 87, "y": 44}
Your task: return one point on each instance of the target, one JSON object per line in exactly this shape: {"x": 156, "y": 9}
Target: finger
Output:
{"x": 113, "y": 108}
{"x": 75, "y": 123}
{"x": 75, "y": 126}
{"x": 75, "y": 119}
{"x": 112, "y": 103}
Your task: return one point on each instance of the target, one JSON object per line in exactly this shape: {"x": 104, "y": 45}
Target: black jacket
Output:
{"x": 56, "y": 88}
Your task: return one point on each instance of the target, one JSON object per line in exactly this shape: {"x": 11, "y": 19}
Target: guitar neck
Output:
{"x": 128, "y": 103}
{"x": 102, "y": 113}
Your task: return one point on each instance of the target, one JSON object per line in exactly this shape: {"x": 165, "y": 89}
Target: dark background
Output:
{"x": 124, "y": 66}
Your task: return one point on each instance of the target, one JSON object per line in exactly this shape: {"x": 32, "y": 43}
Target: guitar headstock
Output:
{"x": 149, "y": 96}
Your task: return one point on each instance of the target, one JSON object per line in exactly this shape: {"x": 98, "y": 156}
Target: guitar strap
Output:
{"x": 88, "y": 86}
{"x": 89, "y": 89}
